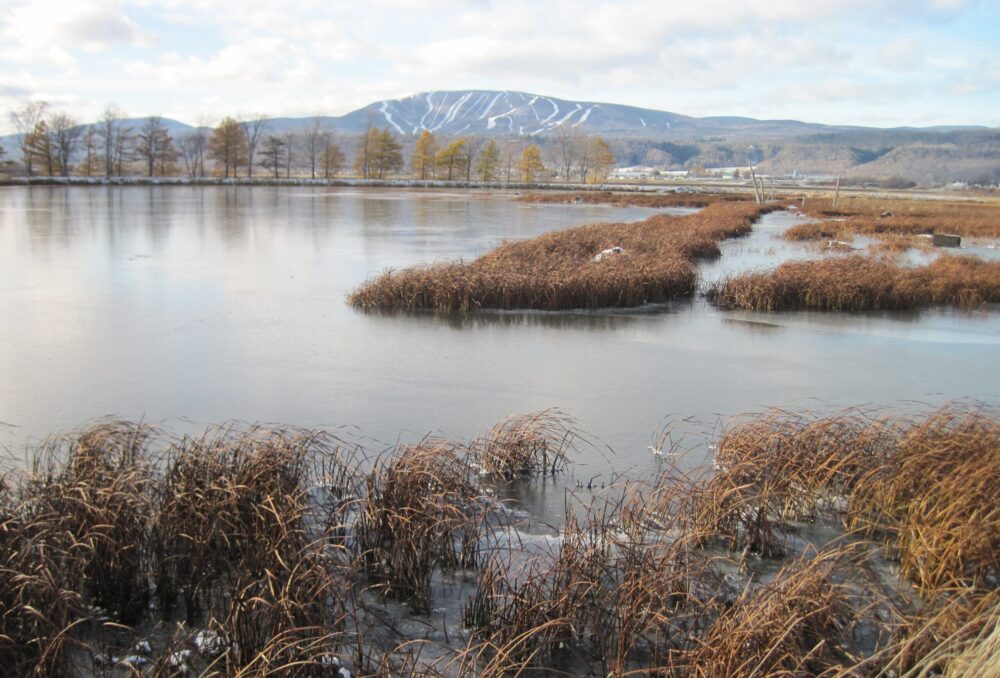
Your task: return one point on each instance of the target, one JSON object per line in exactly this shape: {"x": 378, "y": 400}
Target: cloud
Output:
{"x": 97, "y": 28}
{"x": 770, "y": 57}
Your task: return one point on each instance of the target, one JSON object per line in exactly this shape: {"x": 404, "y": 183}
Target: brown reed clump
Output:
{"x": 936, "y": 500}
{"x": 292, "y": 619}
{"x": 794, "y": 625}
{"x": 954, "y": 635}
{"x": 89, "y": 495}
{"x": 861, "y": 283}
{"x": 612, "y": 594}
{"x": 633, "y": 199}
{"x": 782, "y": 467}
{"x": 558, "y": 270}
{"x": 815, "y": 231}
{"x": 421, "y": 513}
{"x": 233, "y": 503}
{"x": 38, "y": 612}
{"x": 876, "y": 216}
{"x": 524, "y": 445}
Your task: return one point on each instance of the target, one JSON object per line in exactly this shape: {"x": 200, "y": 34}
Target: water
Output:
{"x": 197, "y": 305}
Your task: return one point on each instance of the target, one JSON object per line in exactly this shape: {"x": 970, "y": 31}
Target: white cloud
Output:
{"x": 770, "y": 57}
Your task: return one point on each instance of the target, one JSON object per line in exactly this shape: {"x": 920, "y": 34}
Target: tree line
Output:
{"x": 52, "y": 143}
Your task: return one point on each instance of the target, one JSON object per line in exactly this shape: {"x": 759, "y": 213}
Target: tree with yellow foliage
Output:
{"x": 531, "y": 164}
{"x": 452, "y": 159}
{"x": 424, "y": 154}
{"x": 488, "y": 163}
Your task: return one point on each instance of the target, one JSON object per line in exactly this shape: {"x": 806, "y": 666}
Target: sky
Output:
{"x": 867, "y": 62}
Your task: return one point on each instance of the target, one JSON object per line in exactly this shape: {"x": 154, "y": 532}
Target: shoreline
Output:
{"x": 783, "y": 192}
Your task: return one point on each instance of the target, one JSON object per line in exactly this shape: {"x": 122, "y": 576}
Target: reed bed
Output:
{"x": 421, "y": 512}
{"x": 936, "y": 502}
{"x": 559, "y": 270}
{"x": 877, "y": 216}
{"x": 269, "y": 542}
{"x": 525, "y": 445}
{"x": 862, "y": 283}
{"x": 633, "y": 199}
{"x": 611, "y": 596}
{"x": 797, "y": 624}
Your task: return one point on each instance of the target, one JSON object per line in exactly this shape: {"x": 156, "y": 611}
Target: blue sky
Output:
{"x": 870, "y": 62}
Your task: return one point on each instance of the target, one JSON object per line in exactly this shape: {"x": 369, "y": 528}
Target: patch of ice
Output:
{"x": 209, "y": 642}
{"x": 611, "y": 251}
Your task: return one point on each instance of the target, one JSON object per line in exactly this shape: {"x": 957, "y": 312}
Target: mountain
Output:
{"x": 507, "y": 113}
{"x": 642, "y": 136}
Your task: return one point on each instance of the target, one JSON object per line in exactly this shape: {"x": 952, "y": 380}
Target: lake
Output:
{"x": 186, "y": 306}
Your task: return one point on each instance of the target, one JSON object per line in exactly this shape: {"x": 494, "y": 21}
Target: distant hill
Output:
{"x": 642, "y": 136}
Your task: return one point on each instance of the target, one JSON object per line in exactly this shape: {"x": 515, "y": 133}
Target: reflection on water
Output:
{"x": 204, "y": 304}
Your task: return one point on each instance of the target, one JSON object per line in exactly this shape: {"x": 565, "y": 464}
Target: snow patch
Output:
{"x": 583, "y": 118}
{"x": 430, "y": 109}
{"x": 555, "y": 111}
{"x": 490, "y": 108}
{"x": 455, "y": 108}
{"x": 388, "y": 117}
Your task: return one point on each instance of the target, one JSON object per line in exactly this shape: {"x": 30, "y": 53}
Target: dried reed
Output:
{"x": 523, "y": 445}
{"x": 421, "y": 512}
{"x": 861, "y": 283}
{"x": 558, "y": 270}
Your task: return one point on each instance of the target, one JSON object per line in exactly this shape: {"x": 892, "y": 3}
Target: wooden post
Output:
{"x": 757, "y": 196}
{"x": 836, "y": 194}
{"x": 803, "y": 201}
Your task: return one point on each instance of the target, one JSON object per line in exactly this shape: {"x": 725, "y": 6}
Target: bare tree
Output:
{"x": 65, "y": 133}
{"x": 25, "y": 120}
{"x": 122, "y": 147}
{"x": 40, "y": 148}
{"x": 473, "y": 145}
{"x": 115, "y": 137}
{"x": 565, "y": 146}
{"x": 510, "y": 153}
{"x": 314, "y": 135}
{"x": 291, "y": 140}
{"x": 253, "y": 127}
{"x": 90, "y": 144}
{"x": 154, "y": 145}
{"x": 192, "y": 146}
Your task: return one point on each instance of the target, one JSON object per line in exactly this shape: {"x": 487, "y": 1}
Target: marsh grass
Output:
{"x": 796, "y": 624}
{"x": 526, "y": 445}
{"x": 935, "y": 501}
{"x": 861, "y": 283}
{"x": 557, "y": 270}
{"x": 633, "y": 199}
{"x": 271, "y": 538}
{"x": 422, "y": 512}
{"x": 863, "y": 215}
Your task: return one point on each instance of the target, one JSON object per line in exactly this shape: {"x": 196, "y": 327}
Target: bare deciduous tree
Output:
{"x": 193, "y": 146}
{"x": 115, "y": 137}
{"x": 313, "y": 136}
{"x": 154, "y": 145}
{"x": 65, "y": 133}
{"x": 25, "y": 120}
{"x": 253, "y": 127}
